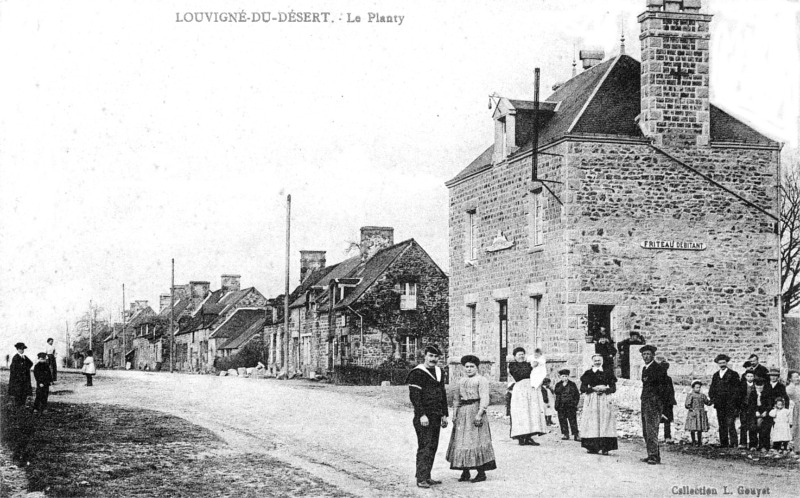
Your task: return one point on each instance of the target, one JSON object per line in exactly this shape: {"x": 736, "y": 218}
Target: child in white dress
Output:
{"x": 781, "y": 432}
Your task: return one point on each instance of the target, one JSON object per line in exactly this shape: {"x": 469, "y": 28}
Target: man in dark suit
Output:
{"x": 654, "y": 387}
{"x": 724, "y": 395}
{"x": 429, "y": 397}
{"x": 759, "y": 370}
{"x": 19, "y": 380}
{"x": 775, "y": 389}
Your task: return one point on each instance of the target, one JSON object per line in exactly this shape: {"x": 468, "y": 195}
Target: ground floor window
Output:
{"x": 408, "y": 347}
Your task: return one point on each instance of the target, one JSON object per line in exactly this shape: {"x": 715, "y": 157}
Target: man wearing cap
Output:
{"x": 724, "y": 395}
{"x": 654, "y": 389}
{"x": 775, "y": 389}
{"x": 624, "y": 351}
{"x": 19, "y": 380}
{"x": 429, "y": 397}
{"x": 567, "y": 398}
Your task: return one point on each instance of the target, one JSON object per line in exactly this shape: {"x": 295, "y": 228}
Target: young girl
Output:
{"x": 549, "y": 399}
{"x": 88, "y": 368}
{"x": 781, "y": 433}
{"x": 696, "y": 418}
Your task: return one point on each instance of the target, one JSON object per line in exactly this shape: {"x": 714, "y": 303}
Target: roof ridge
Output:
{"x": 594, "y": 92}
{"x": 355, "y": 297}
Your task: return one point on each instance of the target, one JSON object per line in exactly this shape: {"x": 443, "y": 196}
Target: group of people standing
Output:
{"x": 45, "y": 373}
{"x": 767, "y": 409}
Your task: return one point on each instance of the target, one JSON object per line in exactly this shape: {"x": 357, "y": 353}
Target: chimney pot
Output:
{"x": 199, "y": 289}
{"x": 310, "y": 261}
{"x": 231, "y": 283}
{"x": 591, "y": 58}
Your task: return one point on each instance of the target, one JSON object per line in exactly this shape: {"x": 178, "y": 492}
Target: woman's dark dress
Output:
{"x": 598, "y": 420}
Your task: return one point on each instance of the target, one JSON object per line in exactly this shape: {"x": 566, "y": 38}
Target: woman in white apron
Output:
{"x": 598, "y": 427}
{"x": 527, "y": 405}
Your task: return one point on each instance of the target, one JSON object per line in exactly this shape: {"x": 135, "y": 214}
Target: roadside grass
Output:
{"x": 108, "y": 450}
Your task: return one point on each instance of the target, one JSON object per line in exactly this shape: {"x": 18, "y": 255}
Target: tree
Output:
{"x": 790, "y": 239}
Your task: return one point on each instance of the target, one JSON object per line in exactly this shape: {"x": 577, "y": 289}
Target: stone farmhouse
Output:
{"x": 195, "y": 348}
{"x": 650, "y": 210}
{"x": 384, "y": 304}
{"x": 151, "y": 341}
{"x": 122, "y": 337}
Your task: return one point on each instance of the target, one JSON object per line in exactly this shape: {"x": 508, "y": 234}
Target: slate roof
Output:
{"x": 244, "y": 336}
{"x": 372, "y": 270}
{"x": 237, "y": 322}
{"x": 340, "y": 270}
{"x": 215, "y": 306}
{"x": 605, "y": 100}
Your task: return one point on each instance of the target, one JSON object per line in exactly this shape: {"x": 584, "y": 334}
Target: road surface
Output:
{"x": 367, "y": 449}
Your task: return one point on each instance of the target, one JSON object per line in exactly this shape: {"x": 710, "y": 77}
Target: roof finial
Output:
{"x": 574, "y": 63}
{"x": 622, "y": 38}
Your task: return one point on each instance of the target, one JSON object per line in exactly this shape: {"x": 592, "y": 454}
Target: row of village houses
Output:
{"x": 381, "y": 305}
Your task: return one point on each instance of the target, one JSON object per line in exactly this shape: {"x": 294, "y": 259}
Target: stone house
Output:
{"x": 118, "y": 347}
{"x": 650, "y": 209}
{"x": 243, "y": 326}
{"x": 196, "y": 350}
{"x": 384, "y": 304}
{"x": 151, "y": 342}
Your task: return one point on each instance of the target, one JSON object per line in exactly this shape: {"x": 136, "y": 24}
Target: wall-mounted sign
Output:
{"x": 674, "y": 245}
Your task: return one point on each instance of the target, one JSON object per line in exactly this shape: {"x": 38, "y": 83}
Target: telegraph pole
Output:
{"x": 66, "y": 333}
{"x": 172, "y": 320}
{"x": 90, "y": 324}
{"x": 124, "y": 339}
{"x": 286, "y": 290}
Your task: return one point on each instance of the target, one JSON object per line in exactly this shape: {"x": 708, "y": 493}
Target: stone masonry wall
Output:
{"x": 691, "y": 304}
{"x": 501, "y": 198}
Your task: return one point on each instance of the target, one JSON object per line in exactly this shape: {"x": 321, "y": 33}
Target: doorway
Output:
{"x": 503, "y": 339}
{"x": 599, "y": 316}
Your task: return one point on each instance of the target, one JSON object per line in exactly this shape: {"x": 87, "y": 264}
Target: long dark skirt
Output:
{"x": 470, "y": 446}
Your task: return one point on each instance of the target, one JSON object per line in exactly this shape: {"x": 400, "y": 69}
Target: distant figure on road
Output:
{"x": 88, "y": 368}
{"x": 50, "y": 350}
{"x": 41, "y": 372}
{"x": 527, "y": 405}
{"x": 471, "y": 441}
{"x": 598, "y": 427}
{"x": 724, "y": 395}
{"x": 428, "y": 395}
{"x": 19, "y": 379}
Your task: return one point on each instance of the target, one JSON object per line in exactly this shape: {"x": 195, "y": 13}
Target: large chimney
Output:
{"x": 675, "y": 64}
{"x": 182, "y": 292}
{"x": 199, "y": 291}
{"x": 141, "y": 304}
{"x": 310, "y": 261}
{"x": 231, "y": 283}
{"x": 591, "y": 58}
{"x": 373, "y": 239}
{"x": 164, "y": 301}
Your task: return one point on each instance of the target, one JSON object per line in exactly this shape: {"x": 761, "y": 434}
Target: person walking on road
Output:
{"x": 88, "y": 368}
{"x": 654, "y": 393}
{"x": 724, "y": 395}
{"x": 50, "y": 351}
{"x": 471, "y": 440}
{"x": 428, "y": 395}
{"x": 19, "y": 380}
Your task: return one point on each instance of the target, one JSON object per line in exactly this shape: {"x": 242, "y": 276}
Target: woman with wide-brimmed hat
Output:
{"x": 471, "y": 440}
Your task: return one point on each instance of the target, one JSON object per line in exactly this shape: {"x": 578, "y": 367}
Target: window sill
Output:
{"x": 539, "y": 248}
{"x": 472, "y": 262}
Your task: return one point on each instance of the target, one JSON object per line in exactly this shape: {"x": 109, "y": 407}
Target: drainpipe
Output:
{"x": 361, "y": 332}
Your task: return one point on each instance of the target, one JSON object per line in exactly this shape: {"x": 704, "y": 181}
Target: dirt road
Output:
{"x": 368, "y": 449}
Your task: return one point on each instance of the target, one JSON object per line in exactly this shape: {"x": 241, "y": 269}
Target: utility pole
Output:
{"x": 90, "y": 324}
{"x": 124, "y": 339}
{"x": 286, "y": 290}
{"x": 66, "y": 333}
{"x": 172, "y": 320}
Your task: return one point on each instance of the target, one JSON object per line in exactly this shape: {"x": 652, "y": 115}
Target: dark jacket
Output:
{"x": 19, "y": 379}
{"x": 428, "y": 394}
{"x": 41, "y": 372}
{"x": 669, "y": 400}
{"x": 745, "y": 398}
{"x": 567, "y": 397}
{"x": 590, "y": 379}
{"x": 724, "y": 393}
{"x": 656, "y": 384}
{"x": 759, "y": 371}
{"x": 779, "y": 391}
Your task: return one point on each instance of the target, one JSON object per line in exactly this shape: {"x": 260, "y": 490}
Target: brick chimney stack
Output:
{"x": 198, "y": 291}
{"x": 231, "y": 283}
{"x": 373, "y": 239}
{"x": 591, "y": 58}
{"x": 310, "y": 261}
{"x": 164, "y": 302}
{"x": 675, "y": 66}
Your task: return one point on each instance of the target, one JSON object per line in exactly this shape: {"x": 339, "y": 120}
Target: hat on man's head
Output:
{"x": 563, "y": 371}
{"x": 20, "y": 345}
{"x": 635, "y": 332}
{"x": 722, "y": 357}
{"x": 433, "y": 349}
{"x": 648, "y": 347}
{"x": 41, "y": 355}
{"x": 774, "y": 371}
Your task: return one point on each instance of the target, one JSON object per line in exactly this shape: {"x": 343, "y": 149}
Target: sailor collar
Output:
{"x": 438, "y": 377}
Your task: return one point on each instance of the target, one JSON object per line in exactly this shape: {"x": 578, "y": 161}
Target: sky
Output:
{"x": 128, "y": 138}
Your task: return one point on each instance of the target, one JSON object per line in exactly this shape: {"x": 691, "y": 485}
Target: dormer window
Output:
{"x": 503, "y": 138}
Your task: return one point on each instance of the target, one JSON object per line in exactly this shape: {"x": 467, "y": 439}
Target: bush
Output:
{"x": 366, "y": 376}
{"x": 249, "y": 356}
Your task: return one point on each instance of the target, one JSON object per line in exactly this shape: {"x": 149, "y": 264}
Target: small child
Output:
{"x": 763, "y": 420}
{"x": 696, "y": 418}
{"x": 781, "y": 432}
{"x": 41, "y": 372}
{"x": 549, "y": 400}
{"x": 567, "y": 398}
